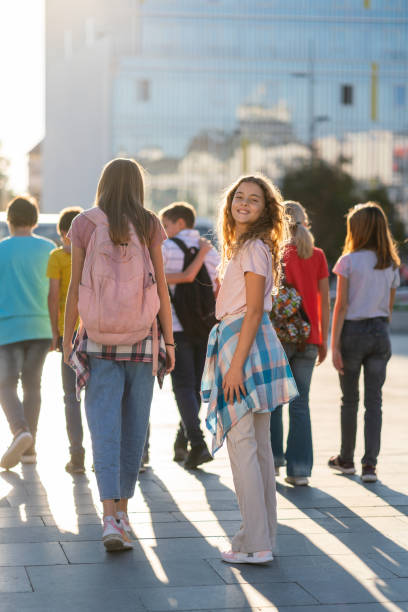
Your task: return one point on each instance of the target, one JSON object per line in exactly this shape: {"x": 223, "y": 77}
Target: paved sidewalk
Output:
{"x": 342, "y": 545}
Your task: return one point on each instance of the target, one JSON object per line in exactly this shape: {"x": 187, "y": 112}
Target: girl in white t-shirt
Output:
{"x": 246, "y": 374}
{"x": 367, "y": 278}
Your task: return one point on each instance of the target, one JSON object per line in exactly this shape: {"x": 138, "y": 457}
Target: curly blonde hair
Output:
{"x": 271, "y": 227}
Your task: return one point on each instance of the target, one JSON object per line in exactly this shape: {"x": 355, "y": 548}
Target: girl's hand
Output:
{"x": 338, "y": 360}
{"x": 233, "y": 384}
{"x": 205, "y": 245}
{"x": 322, "y": 353}
{"x": 67, "y": 348}
{"x": 170, "y": 359}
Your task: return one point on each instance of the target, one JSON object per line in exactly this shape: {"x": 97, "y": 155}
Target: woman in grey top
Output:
{"x": 367, "y": 278}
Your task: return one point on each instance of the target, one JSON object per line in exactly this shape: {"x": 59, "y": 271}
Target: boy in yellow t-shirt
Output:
{"x": 59, "y": 273}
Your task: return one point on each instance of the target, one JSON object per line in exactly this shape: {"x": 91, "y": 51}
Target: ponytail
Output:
{"x": 302, "y": 237}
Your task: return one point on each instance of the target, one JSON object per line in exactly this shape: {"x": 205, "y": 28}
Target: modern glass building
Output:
{"x": 201, "y": 91}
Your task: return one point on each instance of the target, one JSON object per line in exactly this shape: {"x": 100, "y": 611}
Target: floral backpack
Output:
{"x": 289, "y": 318}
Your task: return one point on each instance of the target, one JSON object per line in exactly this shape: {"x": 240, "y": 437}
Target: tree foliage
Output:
{"x": 328, "y": 192}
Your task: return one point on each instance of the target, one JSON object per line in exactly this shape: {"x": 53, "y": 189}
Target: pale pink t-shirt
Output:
{"x": 255, "y": 257}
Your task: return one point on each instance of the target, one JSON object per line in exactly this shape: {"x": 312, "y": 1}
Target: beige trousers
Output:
{"x": 253, "y": 471}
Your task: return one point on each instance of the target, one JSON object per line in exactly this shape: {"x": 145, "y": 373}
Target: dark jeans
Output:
{"x": 73, "y": 417}
{"x": 22, "y": 360}
{"x": 299, "y": 447}
{"x": 186, "y": 379}
{"x": 363, "y": 343}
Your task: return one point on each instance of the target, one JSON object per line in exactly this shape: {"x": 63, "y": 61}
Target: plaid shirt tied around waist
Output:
{"x": 139, "y": 352}
{"x": 268, "y": 378}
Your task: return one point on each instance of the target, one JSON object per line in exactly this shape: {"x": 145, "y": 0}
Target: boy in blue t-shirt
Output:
{"x": 25, "y": 330}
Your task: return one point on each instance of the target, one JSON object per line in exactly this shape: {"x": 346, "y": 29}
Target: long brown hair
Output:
{"x": 298, "y": 220}
{"x": 120, "y": 194}
{"x": 271, "y": 227}
{"x": 367, "y": 228}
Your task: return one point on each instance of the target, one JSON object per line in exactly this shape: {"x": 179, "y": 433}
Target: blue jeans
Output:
{"x": 22, "y": 360}
{"x": 73, "y": 417}
{"x": 117, "y": 404}
{"x": 186, "y": 380}
{"x": 299, "y": 447}
{"x": 366, "y": 344}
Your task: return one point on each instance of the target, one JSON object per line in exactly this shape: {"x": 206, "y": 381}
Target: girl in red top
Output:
{"x": 306, "y": 270}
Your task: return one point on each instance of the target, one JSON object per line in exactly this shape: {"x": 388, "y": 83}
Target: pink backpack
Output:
{"x": 118, "y": 299}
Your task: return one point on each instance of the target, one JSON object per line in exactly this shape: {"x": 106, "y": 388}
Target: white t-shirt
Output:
{"x": 369, "y": 289}
{"x": 254, "y": 256}
{"x": 173, "y": 259}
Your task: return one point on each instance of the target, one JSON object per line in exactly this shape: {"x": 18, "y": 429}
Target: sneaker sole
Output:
{"x": 369, "y": 478}
{"x": 113, "y": 543}
{"x": 249, "y": 560}
{"x": 13, "y": 455}
{"x": 338, "y": 468}
{"x": 196, "y": 465}
{"x": 301, "y": 482}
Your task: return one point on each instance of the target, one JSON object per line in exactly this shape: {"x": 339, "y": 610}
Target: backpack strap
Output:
{"x": 96, "y": 215}
{"x": 182, "y": 245}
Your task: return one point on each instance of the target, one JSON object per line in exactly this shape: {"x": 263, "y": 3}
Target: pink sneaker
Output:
{"x": 263, "y": 556}
{"x": 114, "y": 536}
{"x": 124, "y": 520}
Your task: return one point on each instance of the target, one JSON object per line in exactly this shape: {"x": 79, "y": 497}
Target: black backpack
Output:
{"x": 194, "y": 302}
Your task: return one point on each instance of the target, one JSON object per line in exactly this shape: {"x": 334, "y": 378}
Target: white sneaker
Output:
{"x": 21, "y": 442}
{"x": 124, "y": 520}
{"x": 114, "y": 537}
{"x": 257, "y": 558}
{"x": 297, "y": 481}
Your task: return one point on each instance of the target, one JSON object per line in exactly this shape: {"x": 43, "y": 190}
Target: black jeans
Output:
{"x": 22, "y": 361}
{"x": 363, "y": 343}
{"x": 73, "y": 417}
{"x": 186, "y": 379}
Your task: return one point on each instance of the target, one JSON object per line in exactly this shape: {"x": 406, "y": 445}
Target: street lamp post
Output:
{"x": 309, "y": 74}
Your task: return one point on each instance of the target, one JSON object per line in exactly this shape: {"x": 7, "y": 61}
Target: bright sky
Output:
{"x": 22, "y": 83}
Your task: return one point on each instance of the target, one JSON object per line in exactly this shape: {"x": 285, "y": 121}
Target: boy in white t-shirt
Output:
{"x": 178, "y": 220}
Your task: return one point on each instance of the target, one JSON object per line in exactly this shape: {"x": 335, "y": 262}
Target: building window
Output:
{"x": 143, "y": 90}
{"x": 400, "y": 95}
{"x": 347, "y": 95}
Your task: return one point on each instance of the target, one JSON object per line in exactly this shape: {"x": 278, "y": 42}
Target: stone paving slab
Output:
{"x": 139, "y": 518}
{"x": 14, "y": 580}
{"x": 16, "y": 521}
{"x": 165, "y": 549}
{"x": 216, "y": 597}
{"x": 295, "y": 569}
{"x": 397, "y": 563}
{"x": 68, "y": 600}
{"x": 45, "y": 553}
{"x": 365, "y": 607}
{"x": 348, "y": 590}
{"x": 127, "y": 575}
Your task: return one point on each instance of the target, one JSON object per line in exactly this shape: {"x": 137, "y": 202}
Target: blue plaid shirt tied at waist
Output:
{"x": 268, "y": 378}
